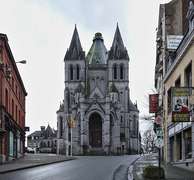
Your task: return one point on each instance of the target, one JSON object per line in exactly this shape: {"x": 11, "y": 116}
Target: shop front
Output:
{"x": 180, "y": 142}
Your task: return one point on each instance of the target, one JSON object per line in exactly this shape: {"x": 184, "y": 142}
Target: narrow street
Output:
{"x": 83, "y": 168}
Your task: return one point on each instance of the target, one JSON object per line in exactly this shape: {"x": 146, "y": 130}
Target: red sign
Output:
{"x": 158, "y": 120}
{"x": 153, "y": 103}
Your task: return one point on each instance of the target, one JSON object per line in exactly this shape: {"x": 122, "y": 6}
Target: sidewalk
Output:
{"x": 32, "y": 160}
{"x": 171, "y": 172}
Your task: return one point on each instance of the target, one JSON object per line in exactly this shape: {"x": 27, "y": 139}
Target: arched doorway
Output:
{"x": 95, "y": 130}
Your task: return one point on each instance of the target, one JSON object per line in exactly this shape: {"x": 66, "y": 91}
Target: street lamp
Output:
{"x": 7, "y": 69}
{"x": 21, "y": 62}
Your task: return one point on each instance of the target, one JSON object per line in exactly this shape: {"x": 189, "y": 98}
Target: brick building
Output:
{"x": 12, "y": 105}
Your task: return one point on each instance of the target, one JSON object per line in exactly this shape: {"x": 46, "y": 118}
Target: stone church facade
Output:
{"x": 97, "y": 99}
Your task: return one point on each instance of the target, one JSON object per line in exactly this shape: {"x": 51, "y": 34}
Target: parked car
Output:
{"x": 30, "y": 150}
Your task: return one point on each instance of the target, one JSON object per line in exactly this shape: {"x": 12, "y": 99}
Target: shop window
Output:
{"x": 188, "y": 144}
{"x": 188, "y": 76}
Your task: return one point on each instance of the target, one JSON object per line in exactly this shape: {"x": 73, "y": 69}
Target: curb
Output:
{"x": 127, "y": 171}
{"x": 131, "y": 165}
{"x": 36, "y": 165}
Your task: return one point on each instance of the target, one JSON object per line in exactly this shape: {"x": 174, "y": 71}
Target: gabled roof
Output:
{"x": 97, "y": 53}
{"x": 80, "y": 89}
{"x": 35, "y": 133}
{"x": 118, "y": 50}
{"x": 75, "y": 51}
{"x": 113, "y": 88}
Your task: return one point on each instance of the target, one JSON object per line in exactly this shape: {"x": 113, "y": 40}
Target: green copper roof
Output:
{"x": 97, "y": 53}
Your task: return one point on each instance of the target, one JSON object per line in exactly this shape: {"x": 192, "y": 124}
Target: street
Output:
{"x": 83, "y": 168}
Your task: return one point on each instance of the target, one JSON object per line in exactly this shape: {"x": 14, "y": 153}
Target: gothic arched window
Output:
{"x": 78, "y": 71}
{"x": 71, "y": 72}
{"x": 115, "y": 71}
{"x": 121, "y": 71}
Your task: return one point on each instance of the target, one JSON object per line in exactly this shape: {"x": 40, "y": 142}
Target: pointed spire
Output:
{"x": 75, "y": 51}
{"x": 118, "y": 50}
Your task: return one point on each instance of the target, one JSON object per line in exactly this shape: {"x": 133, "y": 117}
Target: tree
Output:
{"x": 148, "y": 140}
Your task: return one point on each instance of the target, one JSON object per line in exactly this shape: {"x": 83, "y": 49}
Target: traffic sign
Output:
{"x": 159, "y": 132}
{"x": 158, "y": 120}
{"x": 159, "y": 142}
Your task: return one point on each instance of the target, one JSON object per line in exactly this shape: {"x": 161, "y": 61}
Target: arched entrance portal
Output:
{"x": 95, "y": 130}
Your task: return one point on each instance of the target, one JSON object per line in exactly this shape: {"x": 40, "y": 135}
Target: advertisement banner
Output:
{"x": 180, "y": 104}
{"x": 153, "y": 103}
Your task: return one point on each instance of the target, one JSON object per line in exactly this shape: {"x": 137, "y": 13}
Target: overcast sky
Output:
{"x": 40, "y": 32}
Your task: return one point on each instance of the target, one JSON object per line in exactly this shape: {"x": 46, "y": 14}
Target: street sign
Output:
{"x": 159, "y": 142}
{"x": 159, "y": 132}
{"x": 158, "y": 120}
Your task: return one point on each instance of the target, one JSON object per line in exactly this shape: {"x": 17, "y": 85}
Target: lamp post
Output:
{"x": 21, "y": 62}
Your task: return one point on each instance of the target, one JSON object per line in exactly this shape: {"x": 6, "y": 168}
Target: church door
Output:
{"x": 95, "y": 130}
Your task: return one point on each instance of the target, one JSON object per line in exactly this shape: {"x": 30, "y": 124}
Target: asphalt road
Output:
{"x": 83, "y": 168}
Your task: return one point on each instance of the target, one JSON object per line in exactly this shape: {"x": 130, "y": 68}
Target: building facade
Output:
{"x": 174, "y": 69}
{"x": 43, "y": 141}
{"x": 97, "y": 100}
{"x": 12, "y": 105}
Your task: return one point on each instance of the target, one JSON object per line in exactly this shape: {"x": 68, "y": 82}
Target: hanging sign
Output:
{"x": 180, "y": 104}
{"x": 153, "y": 103}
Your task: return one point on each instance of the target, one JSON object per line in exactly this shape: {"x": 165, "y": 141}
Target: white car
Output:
{"x": 31, "y": 150}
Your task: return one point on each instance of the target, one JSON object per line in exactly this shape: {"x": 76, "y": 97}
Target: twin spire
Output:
{"x": 117, "y": 50}
{"x": 75, "y": 51}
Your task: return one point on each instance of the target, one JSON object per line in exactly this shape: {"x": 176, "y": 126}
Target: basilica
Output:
{"x": 97, "y": 115}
